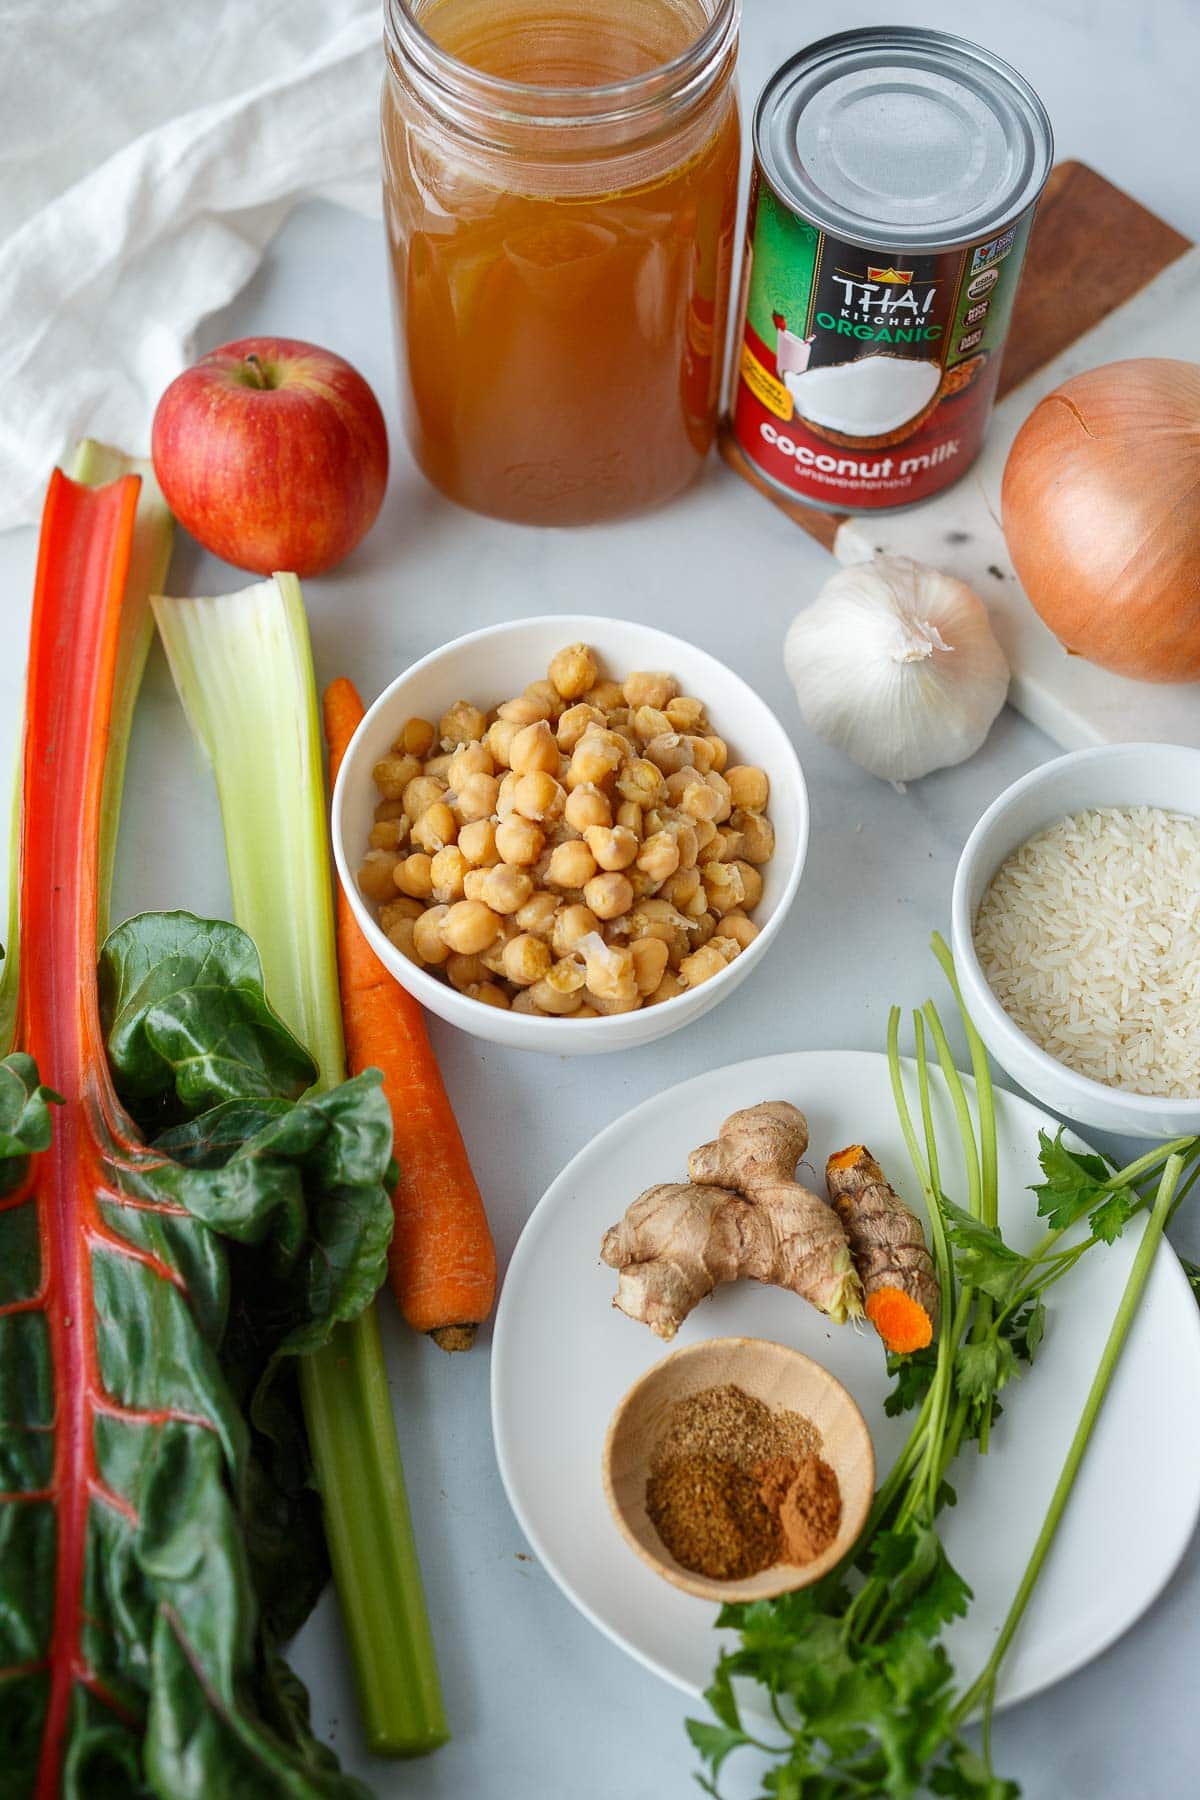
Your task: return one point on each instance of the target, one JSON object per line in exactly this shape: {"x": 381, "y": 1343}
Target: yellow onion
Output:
{"x": 1101, "y": 507}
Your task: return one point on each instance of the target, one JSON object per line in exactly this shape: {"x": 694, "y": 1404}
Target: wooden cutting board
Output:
{"x": 1104, "y": 278}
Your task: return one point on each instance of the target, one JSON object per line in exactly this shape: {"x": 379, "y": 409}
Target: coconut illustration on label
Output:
{"x": 869, "y": 398}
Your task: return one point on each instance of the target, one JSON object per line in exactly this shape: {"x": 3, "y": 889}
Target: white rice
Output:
{"x": 1089, "y": 936}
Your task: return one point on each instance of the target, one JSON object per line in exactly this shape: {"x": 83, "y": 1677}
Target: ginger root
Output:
{"x": 741, "y": 1214}
{"x": 889, "y": 1250}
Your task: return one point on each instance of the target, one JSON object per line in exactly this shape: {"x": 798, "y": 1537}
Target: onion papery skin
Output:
{"x": 1101, "y": 512}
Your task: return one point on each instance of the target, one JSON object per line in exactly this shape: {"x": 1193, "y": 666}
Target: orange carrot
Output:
{"x": 443, "y": 1262}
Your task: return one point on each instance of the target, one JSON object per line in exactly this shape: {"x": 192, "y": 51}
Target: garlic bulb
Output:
{"x": 896, "y": 664}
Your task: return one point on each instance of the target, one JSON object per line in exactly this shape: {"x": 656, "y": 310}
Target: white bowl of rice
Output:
{"x": 1076, "y": 932}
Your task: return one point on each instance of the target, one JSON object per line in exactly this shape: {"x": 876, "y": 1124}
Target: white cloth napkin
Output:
{"x": 148, "y": 151}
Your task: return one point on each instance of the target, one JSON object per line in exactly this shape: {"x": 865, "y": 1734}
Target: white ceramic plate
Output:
{"x": 563, "y": 1357}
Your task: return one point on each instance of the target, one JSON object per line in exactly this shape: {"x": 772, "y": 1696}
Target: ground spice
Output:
{"x": 708, "y": 1513}
{"x": 727, "y": 1422}
{"x": 803, "y": 1496}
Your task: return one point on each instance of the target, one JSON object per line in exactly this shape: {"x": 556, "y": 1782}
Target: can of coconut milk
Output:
{"x": 896, "y": 172}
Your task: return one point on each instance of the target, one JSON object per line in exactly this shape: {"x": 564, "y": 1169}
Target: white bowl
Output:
{"x": 490, "y": 666}
{"x": 1166, "y": 775}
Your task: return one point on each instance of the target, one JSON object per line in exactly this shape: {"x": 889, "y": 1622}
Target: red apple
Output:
{"x": 273, "y": 453}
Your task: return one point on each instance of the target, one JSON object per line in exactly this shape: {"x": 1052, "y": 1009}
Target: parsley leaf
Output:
{"x": 982, "y": 1369}
{"x": 983, "y": 1259}
{"x": 1072, "y": 1180}
{"x": 912, "y": 1376}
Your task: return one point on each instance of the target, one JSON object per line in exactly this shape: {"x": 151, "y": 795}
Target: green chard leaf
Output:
{"x": 25, "y": 1119}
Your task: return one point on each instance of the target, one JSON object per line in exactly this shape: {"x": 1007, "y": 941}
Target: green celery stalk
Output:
{"x": 243, "y": 666}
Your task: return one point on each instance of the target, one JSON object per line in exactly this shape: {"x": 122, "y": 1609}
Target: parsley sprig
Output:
{"x": 861, "y": 1691}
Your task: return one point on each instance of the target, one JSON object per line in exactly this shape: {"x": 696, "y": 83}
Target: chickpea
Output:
{"x": 392, "y": 775}
{"x": 720, "y": 788}
{"x": 725, "y": 846}
{"x": 681, "y": 887}
{"x": 390, "y": 809}
{"x": 586, "y": 805}
{"x": 376, "y": 876}
{"x": 519, "y": 840}
{"x": 668, "y": 989}
{"x": 416, "y": 738}
{"x": 388, "y": 834}
{"x": 669, "y": 753}
{"x": 610, "y": 971}
{"x": 571, "y": 864}
{"x": 720, "y": 752}
{"x": 506, "y": 803}
{"x": 609, "y": 895}
{"x": 493, "y": 957}
{"x": 422, "y": 792}
{"x": 605, "y": 695}
{"x": 537, "y": 795}
{"x": 461, "y": 724}
{"x": 700, "y": 801}
{"x": 447, "y": 871}
{"x": 706, "y": 833}
{"x": 475, "y": 797}
{"x": 659, "y": 856}
{"x": 413, "y": 875}
{"x": 649, "y": 687}
{"x": 402, "y": 935}
{"x": 748, "y": 786}
{"x": 525, "y": 709}
{"x": 571, "y": 924}
{"x": 471, "y": 759}
{"x": 573, "y": 671}
{"x": 685, "y": 712}
{"x": 574, "y": 722}
{"x": 505, "y": 889}
{"x": 641, "y": 781}
{"x": 464, "y": 972}
{"x": 586, "y": 1011}
{"x": 560, "y": 991}
{"x": 402, "y": 907}
{"x": 534, "y": 748}
{"x": 724, "y": 886}
{"x": 650, "y": 722}
{"x": 469, "y": 927}
{"x": 613, "y": 846}
{"x": 697, "y": 906}
{"x": 683, "y": 831}
{"x": 473, "y": 884}
{"x": 630, "y": 817}
{"x": 439, "y": 765}
{"x": 649, "y": 962}
{"x": 526, "y": 959}
{"x": 595, "y": 758}
{"x": 427, "y": 936}
{"x": 499, "y": 739}
{"x": 436, "y": 827}
{"x": 477, "y": 841}
{"x": 757, "y": 835}
{"x": 488, "y": 994}
{"x": 737, "y": 926}
{"x": 538, "y": 915}
{"x": 702, "y": 755}
{"x": 752, "y": 884}
{"x": 524, "y": 1002}
{"x": 708, "y": 961}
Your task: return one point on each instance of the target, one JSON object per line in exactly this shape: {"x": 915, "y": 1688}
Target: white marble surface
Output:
{"x": 541, "y": 1706}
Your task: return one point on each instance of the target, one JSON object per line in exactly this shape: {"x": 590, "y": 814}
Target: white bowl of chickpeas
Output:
{"x": 570, "y": 834}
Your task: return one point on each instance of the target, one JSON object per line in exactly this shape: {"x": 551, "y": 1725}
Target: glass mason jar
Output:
{"x": 560, "y": 184}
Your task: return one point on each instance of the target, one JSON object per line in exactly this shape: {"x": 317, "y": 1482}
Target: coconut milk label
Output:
{"x": 866, "y": 376}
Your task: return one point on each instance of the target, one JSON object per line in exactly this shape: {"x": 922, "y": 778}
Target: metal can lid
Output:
{"x": 901, "y": 137}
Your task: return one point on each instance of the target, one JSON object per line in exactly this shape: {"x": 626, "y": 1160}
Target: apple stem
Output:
{"x": 255, "y": 375}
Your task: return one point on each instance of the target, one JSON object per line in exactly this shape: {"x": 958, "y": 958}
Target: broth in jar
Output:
{"x": 560, "y": 185}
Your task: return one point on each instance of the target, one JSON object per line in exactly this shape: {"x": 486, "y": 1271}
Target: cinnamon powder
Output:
{"x": 802, "y": 1493}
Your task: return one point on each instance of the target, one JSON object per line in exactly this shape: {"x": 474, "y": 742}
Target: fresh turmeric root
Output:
{"x": 889, "y": 1250}
{"x": 741, "y": 1214}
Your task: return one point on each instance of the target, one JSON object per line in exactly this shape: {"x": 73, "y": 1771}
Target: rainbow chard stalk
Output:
{"x": 167, "y": 1251}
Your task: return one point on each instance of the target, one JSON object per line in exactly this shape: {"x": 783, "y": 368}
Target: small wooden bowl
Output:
{"x": 785, "y": 1380}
